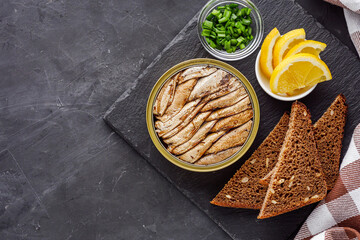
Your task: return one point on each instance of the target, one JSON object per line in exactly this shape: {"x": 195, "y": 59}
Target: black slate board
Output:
{"x": 127, "y": 117}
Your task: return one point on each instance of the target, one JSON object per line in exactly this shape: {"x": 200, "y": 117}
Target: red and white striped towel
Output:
{"x": 338, "y": 215}
{"x": 352, "y": 16}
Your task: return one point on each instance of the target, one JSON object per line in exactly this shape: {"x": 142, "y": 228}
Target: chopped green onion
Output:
{"x": 233, "y": 41}
{"x": 206, "y": 32}
{"x": 209, "y": 17}
{"x": 246, "y": 21}
{"x": 240, "y": 39}
{"x": 215, "y": 12}
{"x": 243, "y": 12}
{"x": 233, "y": 5}
{"x": 208, "y": 24}
{"x": 231, "y": 30}
{"x": 238, "y": 24}
{"x": 221, "y": 34}
{"x": 227, "y": 14}
{"x": 228, "y": 28}
{"x": 242, "y": 28}
{"x": 227, "y": 45}
{"x": 223, "y": 19}
{"x": 228, "y": 24}
{"x": 211, "y": 42}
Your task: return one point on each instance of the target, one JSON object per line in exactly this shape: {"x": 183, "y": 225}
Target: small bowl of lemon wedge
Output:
{"x": 289, "y": 67}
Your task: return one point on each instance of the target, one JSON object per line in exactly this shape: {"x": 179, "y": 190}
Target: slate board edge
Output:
{"x": 177, "y": 38}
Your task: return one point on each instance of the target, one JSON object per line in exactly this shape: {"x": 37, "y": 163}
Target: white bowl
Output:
{"x": 265, "y": 85}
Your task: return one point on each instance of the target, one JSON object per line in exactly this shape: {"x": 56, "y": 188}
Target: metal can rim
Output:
{"x": 150, "y": 119}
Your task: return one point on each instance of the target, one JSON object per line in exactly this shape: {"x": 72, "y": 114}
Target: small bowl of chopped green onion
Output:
{"x": 230, "y": 30}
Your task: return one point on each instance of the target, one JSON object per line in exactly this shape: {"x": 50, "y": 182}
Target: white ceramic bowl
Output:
{"x": 265, "y": 85}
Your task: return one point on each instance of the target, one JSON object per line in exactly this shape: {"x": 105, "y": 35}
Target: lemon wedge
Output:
{"x": 308, "y": 46}
{"x": 285, "y": 43}
{"x": 298, "y": 71}
{"x": 266, "y": 55}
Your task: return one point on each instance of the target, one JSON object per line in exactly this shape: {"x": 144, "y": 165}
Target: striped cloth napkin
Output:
{"x": 338, "y": 215}
{"x": 352, "y": 16}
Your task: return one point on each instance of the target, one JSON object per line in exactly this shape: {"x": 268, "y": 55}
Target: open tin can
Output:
{"x": 150, "y": 119}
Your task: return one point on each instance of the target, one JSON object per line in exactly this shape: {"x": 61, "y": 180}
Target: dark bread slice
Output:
{"x": 244, "y": 190}
{"x": 298, "y": 179}
{"x": 329, "y": 133}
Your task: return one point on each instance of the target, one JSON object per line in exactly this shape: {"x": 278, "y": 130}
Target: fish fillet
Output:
{"x": 233, "y": 138}
{"x": 210, "y": 84}
{"x": 198, "y": 137}
{"x": 238, "y": 107}
{"x": 196, "y": 72}
{"x": 225, "y": 101}
{"x": 233, "y": 121}
{"x": 172, "y": 93}
{"x": 176, "y": 120}
{"x": 165, "y": 96}
{"x": 218, "y": 157}
{"x": 172, "y": 131}
{"x": 195, "y": 153}
{"x": 187, "y": 132}
{"x": 156, "y": 109}
{"x": 234, "y": 84}
{"x": 182, "y": 93}
{"x": 192, "y": 70}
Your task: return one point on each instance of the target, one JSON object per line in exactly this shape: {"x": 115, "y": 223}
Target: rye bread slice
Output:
{"x": 298, "y": 179}
{"x": 244, "y": 190}
{"x": 329, "y": 133}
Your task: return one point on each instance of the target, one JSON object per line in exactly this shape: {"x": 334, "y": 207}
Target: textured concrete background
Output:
{"x": 64, "y": 174}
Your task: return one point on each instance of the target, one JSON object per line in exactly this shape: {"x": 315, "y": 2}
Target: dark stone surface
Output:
{"x": 127, "y": 116}
{"x": 63, "y": 173}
